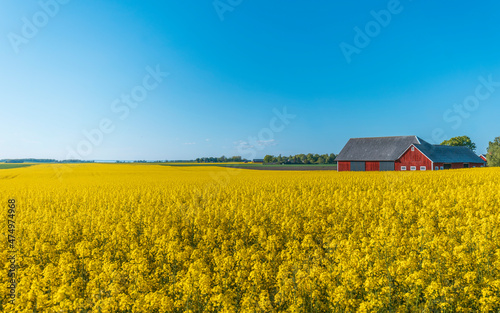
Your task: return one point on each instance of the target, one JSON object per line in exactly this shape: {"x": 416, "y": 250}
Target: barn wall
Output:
{"x": 343, "y": 166}
{"x": 413, "y": 158}
{"x": 476, "y": 164}
{"x": 459, "y": 165}
{"x": 372, "y": 166}
{"x": 438, "y": 165}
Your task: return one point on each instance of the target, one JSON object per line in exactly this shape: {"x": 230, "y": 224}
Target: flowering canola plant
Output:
{"x": 152, "y": 238}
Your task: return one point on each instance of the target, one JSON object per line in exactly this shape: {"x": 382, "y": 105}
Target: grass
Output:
{"x": 255, "y": 166}
{"x": 261, "y": 166}
{"x": 6, "y": 166}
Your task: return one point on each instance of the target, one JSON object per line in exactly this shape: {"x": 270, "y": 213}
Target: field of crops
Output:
{"x": 151, "y": 238}
{"x": 12, "y": 165}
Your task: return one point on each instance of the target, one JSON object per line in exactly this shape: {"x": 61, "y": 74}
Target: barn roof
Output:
{"x": 448, "y": 154}
{"x": 391, "y": 149}
{"x": 376, "y": 148}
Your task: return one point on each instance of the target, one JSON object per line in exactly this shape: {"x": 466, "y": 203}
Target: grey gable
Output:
{"x": 448, "y": 154}
{"x": 376, "y": 148}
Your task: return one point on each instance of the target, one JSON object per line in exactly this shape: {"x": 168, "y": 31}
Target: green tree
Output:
{"x": 268, "y": 159}
{"x": 460, "y": 141}
{"x": 493, "y": 155}
{"x": 298, "y": 159}
{"x": 331, "y": 158}
{"x": 236, "y": 158}
{"x": 309, "y": 158}
{"x": 315, "y": 158}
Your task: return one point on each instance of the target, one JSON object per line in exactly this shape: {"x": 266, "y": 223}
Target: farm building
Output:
{"x": 403, "y": 153}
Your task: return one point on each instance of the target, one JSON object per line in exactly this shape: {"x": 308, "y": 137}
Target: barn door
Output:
{"x": 447, "y": 166}
{"x": 386, "y": 166}
{"x": 358, "y": 166}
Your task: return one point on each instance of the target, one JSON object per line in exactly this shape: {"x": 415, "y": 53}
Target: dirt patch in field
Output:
{"x": 287, "y": 168}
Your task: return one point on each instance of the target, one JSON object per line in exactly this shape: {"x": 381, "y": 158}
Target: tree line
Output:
{"x": 301, "y": 159}
{"x": 221, "y": 159}
{"x": 18, "y": 161}
{"x": 493, "y": 155}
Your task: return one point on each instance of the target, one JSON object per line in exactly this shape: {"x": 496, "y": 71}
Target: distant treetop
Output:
{"x": 461, "y": 141}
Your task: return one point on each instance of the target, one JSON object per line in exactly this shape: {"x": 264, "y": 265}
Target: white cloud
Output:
{"x": 267, "y": 143}
{"x": 258, "y": 143}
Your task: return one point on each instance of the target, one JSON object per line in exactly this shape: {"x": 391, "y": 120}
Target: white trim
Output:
{"x": 404, "y": 152}
{"x": 425, "y": 155}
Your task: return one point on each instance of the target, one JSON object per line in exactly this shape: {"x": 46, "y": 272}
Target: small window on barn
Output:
{"x": 413, "y": 168}
{"x": 403, "y": 168}
{"x": 412, "y": 148}
{"x": 436, "y": 168}
{"x": 423, "y": 168}
{"x": 442, "y": 168}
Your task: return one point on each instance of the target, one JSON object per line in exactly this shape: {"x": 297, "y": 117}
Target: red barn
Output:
{"x": 403, "y": 153}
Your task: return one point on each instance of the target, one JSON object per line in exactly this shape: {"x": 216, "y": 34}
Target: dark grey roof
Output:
{"x": 448, "y": 154}
{"x": 376, "y": 148}
{"x": 391, "y": 149}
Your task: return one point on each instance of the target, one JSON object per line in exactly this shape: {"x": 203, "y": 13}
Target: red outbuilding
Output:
{"x": 403, "y": 153}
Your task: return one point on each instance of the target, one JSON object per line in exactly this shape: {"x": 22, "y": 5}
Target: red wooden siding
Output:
{"x": 372, "y": 166}
{"x": 413, "y": 158}
{"x": 458, "y": 165}
{"x": 461, "y": 165}
{"x": 343, "y": 166}
{"x": 476, "y": 165}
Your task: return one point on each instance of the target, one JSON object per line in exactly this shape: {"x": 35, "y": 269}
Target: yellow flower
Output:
{"x": 155, "y": 238}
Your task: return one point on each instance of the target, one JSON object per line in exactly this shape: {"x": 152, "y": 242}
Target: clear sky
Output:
{"x": 341, "y": 70}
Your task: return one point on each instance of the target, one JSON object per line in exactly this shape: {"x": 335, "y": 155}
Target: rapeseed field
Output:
{"x": 152, "y": 238}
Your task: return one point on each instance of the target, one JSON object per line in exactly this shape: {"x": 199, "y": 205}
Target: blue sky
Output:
{"x": 420, "y": 70}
